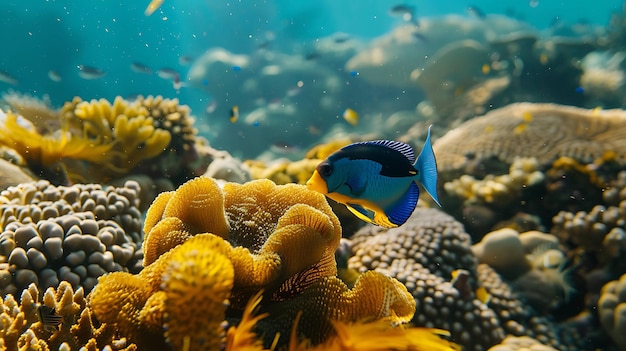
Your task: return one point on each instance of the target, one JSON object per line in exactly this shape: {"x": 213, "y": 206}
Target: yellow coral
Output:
{"x": 197, "y": 284}
{"x": 278, "y": 239}
{"x": 46, "y": 150}
{"x": 199, "y": 204}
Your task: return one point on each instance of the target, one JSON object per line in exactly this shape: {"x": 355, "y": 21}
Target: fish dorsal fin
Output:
{"x": 401, "y": 147}
{"x": 427, "y": 167}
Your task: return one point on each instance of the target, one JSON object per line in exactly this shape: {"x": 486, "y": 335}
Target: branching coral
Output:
{"x": 46, "y": 150}
{"x": 279, "y": 239}
{"x": 22, "y": 329}
{"x": 128, "y": 126}
{"x": 99, "y": 140}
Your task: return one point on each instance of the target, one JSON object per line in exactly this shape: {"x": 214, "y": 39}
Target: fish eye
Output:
{"x": 325, "y": 169}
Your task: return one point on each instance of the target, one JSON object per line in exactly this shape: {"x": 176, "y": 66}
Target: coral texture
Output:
{"x": 24, "y": 326}
{"x": 544, "y": 131}
{"x": 50, "y": 234}
{"x": 277, "y": 239}
{"x": 425, "y": 254}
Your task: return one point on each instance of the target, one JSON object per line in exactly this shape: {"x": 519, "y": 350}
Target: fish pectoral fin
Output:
{"x": 427, "y": 167}
{"x": 400, "y": 211}
{"x": 371, "y": 216}
{"x": 356, "y": 184}
{"x": 361, "y": 212}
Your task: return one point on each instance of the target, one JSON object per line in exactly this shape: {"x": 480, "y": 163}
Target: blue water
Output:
{"x": 40, "y": 36}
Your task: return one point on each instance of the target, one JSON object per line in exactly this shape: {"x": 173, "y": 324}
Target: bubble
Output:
{"x": 533, "y": 3}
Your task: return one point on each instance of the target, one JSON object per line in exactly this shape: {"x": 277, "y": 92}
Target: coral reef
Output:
{"x": 76, "y": 234}
{"x": 543, "y": 131}
{"x": 259, "y": 234}
{"x": 99, "y": 140}
{"x": 426, "y": 252}
{"x": 22, "y": 328}
{"x": 497, "y": 190}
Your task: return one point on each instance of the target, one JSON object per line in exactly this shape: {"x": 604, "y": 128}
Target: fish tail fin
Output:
{"x": 427, "y": 167}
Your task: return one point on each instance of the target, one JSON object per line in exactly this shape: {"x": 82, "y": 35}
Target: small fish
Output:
{"x": 234, "y": 114}
{"x": 555, "y": 22}
{"x": 211, "y": 107}
{"x": 486, "y": 68}
{"x": 341, "y": 38}
{"x": 406, "y": 12}
{"x": 282, "y": 147}
{"x": 312, "y": 56}
{"x": 167, "y": 73}
{"x": 185, "y": 60}
{"x": 153, "y": 6}
{"x": 140, "y": 68}
{"x": 419, "y": 36}
{"x": 376, "y": 180}
{"x": 54, "y": 76}
{"x": 475, "y": 11}
{"x": 88, "y": 72}
{"x": 49, "y": 318}
{"x": 460, "y": 281}
{"x": 7, "y": 78}
{"x": 351, "y": 116}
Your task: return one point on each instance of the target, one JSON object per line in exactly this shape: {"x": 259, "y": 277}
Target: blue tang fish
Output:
{"x": 376, "y": 180}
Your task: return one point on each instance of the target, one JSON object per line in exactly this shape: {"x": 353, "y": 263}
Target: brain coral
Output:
{"x": 50, "y": 234}
{"x": 544, "y": 131}
{"x": 276, "y": 239}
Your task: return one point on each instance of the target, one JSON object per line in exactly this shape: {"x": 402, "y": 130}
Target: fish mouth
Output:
{"x": 316, "y": 183}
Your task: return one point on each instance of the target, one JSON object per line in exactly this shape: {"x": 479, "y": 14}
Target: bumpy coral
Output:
{"x": 497, "y": 190}
{"x": 600, "y": 231}
{"x": 518, "y": 318}
{"x": 278, "y": 239}
{"x": 612, "y": 310}
{"x": 51, "y": 234}
{"x": 422, "y": 254}
{"x": 58, "y": 321}
{"x": 430, "y": 250}
{"x": 431, "y": 238}
{"x": 522, "y": 343}
{"x": 544, "y": 131}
